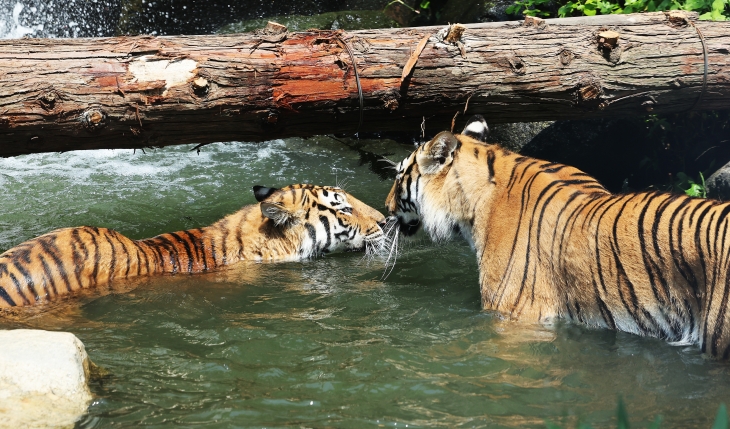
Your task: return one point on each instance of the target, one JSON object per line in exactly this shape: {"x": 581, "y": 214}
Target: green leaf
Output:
{"x": 656, "y": 423}
{"x": 694, "y": 190}
{"x": 694, "y": 5}
{"x": 589, "y": 9}
{"x": 721, "y": 421}
{"x": 622, "y": 416}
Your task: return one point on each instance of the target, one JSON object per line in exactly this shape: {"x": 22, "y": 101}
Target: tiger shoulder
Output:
{"x": 291, "y": 223}
{"x": 552, "y": 243}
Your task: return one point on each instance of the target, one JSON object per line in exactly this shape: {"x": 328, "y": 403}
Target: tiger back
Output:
{"x": 552, "y": 242}
{"x": 292, "y": 223}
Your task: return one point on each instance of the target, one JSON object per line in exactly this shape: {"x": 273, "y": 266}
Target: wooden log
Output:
{"x": 136, "y": 92}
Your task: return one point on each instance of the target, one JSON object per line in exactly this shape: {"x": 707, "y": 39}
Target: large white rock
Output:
{"x": 43, "y": 379}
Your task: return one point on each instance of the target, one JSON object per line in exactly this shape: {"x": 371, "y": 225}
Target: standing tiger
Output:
{"x": 295, "y": 222}
{"x": 552, "y": 242}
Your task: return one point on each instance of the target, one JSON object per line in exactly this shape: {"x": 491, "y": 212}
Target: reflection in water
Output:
{"x": 325, "y": 342}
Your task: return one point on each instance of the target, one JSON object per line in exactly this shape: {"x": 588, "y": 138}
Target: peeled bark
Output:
{"x": 136, "y": 92}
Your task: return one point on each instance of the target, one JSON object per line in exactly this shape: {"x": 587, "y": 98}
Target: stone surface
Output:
{"x": 608, "y": 149}
{"x": 718, "y": 184}
{"x": 514, "y": 136}
{"x": 343, "y": 20}
{"x": 43, "y": 379}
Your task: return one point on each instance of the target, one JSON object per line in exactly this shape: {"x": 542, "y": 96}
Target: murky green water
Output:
{"x": 322, "y": 343}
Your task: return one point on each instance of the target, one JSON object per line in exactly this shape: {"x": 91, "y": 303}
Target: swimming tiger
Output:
{"x": 552, "y": 242}
{"x": 292, "y": 223}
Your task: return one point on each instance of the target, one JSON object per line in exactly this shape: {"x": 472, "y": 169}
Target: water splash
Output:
{"x": 10, "y": 26}
{"x": 68, "y": 18}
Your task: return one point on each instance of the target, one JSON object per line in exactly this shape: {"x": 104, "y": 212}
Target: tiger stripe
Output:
{"x": 64, "y": 261}
{"x": 552, "y": 242}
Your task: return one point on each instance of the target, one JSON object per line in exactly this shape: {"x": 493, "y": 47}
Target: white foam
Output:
{"x": 12, "y": 28}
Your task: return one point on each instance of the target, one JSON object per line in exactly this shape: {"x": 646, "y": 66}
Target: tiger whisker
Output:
{"x": 391, "y": 226}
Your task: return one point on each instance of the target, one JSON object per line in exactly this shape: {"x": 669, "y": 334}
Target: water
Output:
{"x": 325, "y": 342}
{"x": 320, "y": 343}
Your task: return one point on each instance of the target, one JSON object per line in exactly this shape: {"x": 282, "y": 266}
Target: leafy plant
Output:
{"x": 690, "y": 187}
{"x": 721, "y": 421}
{"x": 530, "y": 7}
{"x": 716, "y": 10}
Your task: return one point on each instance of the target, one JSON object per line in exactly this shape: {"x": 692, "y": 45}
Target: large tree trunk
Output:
{"x": 134, "y": 92}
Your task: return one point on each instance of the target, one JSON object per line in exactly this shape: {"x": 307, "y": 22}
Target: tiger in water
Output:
{"x": 291, "y": 223}
{"x": 551, "y": 242}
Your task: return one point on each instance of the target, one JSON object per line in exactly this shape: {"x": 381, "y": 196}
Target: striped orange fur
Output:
{"x": 551, "y": 242}
{"x": 295, "y": 222}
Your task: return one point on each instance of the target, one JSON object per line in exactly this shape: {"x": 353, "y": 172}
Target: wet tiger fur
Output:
{"x": 295, "y": 222}
{"x": 552, "y": 242}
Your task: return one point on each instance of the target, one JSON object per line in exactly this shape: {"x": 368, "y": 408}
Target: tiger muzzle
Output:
{"x": 409, "y": 228}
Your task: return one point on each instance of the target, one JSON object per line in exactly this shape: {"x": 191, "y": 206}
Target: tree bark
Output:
{"x": 136, "y": 92}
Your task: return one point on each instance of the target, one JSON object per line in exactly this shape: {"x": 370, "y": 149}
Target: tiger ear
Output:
{"x": 276, "y": 212}
{"x": 433, "y": 155}
{"x": 476, "y": 128}
{"x": 261, "y": 192}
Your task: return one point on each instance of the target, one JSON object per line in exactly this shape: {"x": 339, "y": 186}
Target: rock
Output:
{"x": 718, "y": 184}
{"x": 344, "y": 20}
{"x": 43, "y": 379}
{"x": 514, "y": 136}
{"x": 608, "y": 149}
{"x": 462, "y": 11}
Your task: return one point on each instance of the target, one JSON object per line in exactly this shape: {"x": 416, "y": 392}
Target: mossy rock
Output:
{"x": 344, "y": 20}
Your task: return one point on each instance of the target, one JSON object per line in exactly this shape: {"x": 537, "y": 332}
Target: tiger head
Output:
{"x": 328, "y": 218}
{"x": 425, "y": 192}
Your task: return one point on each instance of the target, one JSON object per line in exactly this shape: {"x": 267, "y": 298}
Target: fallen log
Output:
{"x": 136, "y": 92}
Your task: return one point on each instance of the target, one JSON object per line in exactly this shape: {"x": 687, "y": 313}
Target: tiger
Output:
{"x": 552, "y": 242}
{"x": 288, "y": 224}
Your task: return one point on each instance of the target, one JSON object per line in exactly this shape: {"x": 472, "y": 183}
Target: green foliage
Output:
{"x": 622, "y": 419}
{"x": 716, "y": 10}
{"x": 530, "y": 7}
{"x": 693, "y": 188}
{"x": 721, "y": 421}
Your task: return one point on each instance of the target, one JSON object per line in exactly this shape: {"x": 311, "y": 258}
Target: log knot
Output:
{"x": 677, "y": 18}
{"x": 48, "y": 99}
{"x": 200, "y": 86}
{"x": 608, "y": 39}
{"x": 516, "y": 64}
{"x": 452, "y": 35}
{"x": 390, "y": 99}
{"x": 608, "y": 45}
{"x": 589, "y": 92}
{"x": 93, "y": 119}
{"x": 534, "y": 21}
{"x": 566, "y": 57}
